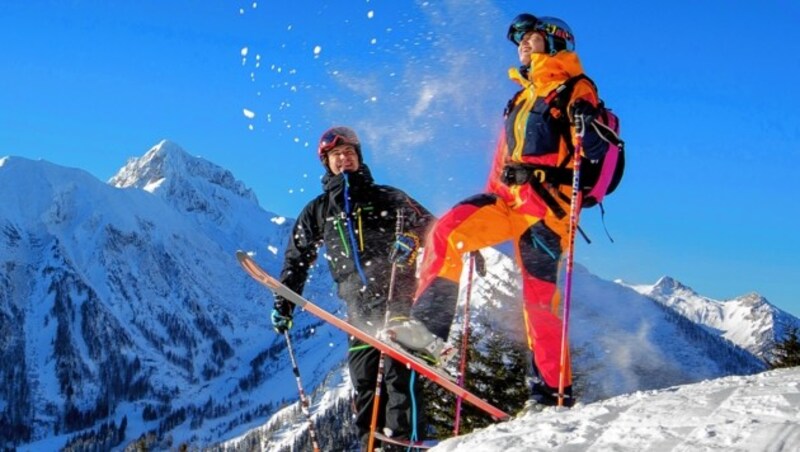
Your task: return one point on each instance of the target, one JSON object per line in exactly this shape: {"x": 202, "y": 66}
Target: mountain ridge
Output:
{"x": 749, "y": 321}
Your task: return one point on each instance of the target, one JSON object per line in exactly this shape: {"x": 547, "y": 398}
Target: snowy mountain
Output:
{"x": 123, "y": 315}
{"x": 126, "y": 306}
{"x": 749, "y": 321}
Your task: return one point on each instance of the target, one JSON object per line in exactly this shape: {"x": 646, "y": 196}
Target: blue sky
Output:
{"x": 706, "y": 92}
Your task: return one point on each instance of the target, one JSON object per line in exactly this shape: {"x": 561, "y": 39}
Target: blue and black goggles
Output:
{"x": 556, "y": 32}
{"x": 519, "y": 26}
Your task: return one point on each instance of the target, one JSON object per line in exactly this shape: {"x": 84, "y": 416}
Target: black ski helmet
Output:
{"x": 557, "y": 34}
{"x": 334, "y": 137}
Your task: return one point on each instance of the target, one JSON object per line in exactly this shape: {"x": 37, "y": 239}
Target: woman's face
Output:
{"x": 532, "y": 42}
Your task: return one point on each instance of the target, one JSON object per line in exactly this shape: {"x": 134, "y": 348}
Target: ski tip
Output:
{"x": 243, "y": 255}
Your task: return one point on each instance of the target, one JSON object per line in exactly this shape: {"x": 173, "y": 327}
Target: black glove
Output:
{"x": 582, "y": 107}
{"x": 404, "y": 249}
{"x": 281, "y": 315}
{"x": 594, "y": 147}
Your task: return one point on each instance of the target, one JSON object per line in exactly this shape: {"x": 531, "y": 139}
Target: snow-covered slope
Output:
{"x": 742, "y": 413}
{"x": 749, "y": 321}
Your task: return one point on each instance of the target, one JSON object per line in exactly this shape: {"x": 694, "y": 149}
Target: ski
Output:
{"x": 405, "y": 443}
{"x": 431, "y": 373}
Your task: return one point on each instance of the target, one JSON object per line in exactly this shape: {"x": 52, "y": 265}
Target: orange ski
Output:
{"x": 431, "y": 373}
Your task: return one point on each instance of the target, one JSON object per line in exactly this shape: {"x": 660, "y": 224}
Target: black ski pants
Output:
{"x": 397, "y": 409}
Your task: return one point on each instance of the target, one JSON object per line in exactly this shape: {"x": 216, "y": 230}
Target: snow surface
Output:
{"x": 752, "y": 413}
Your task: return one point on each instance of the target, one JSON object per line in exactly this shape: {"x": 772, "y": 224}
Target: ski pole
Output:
{"x": 574, "y": 213}
{"x": 398, "y": 229}
{"x": 464, "y": 341}
{"x": 304, "y": 403}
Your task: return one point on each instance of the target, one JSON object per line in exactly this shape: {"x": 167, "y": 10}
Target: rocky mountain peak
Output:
{"x": 166, "y": 166}
{"x": 667, "y": 286}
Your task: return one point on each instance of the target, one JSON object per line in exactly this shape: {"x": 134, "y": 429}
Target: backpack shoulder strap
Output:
{"x": 559, "y": 97}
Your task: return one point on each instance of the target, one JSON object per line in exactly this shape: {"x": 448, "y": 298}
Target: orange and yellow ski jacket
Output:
{"x": 530, "y": 134}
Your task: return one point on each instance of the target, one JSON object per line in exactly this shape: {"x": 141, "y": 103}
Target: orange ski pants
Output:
{"x": 487, "y": 220}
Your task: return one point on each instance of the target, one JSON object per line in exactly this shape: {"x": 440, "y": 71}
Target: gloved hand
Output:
{"x": 594, "y": 146}
{"x": 404, "y": 249}
{"x": 281, "y": 316}
{"x": 582, "y": 109}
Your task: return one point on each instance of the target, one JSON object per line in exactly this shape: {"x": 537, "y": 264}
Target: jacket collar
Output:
{"x": 359, "y": 181}
{"x": 547, "y": 71}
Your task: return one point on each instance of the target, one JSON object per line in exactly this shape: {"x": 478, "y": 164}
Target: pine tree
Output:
{"x": 787, "y": 352}
{"x": 496, "y": 371}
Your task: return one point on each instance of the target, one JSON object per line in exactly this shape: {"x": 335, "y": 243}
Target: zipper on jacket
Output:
{"x": 340, "y": 229}
{"x": 521, "y": 120}
{"x": 540, "y": 244}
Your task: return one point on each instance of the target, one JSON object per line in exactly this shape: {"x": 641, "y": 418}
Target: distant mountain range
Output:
{"x": 748, "y": 321}
{"x": 124, "y": 315}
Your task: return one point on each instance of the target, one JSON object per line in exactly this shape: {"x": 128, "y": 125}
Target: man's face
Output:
{"x": 532, "y": 42}
{"x": 343, "y": 158}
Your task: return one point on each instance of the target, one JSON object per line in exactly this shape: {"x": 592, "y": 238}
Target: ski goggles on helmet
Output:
{"x": 334, "y": 137}
{"x": 520, "y": 25}
{"x": 556, "y": 32}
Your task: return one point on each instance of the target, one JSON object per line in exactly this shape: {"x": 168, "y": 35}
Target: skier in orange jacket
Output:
{"x": 522, "y": 203}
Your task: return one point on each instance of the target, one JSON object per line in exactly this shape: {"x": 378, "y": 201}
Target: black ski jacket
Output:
{"x": 358, "y": 232}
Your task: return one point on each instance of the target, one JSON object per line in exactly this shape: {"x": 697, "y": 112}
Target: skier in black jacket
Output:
{"x": 357, "y": 221}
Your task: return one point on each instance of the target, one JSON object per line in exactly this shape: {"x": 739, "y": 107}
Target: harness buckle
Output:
{"x": 522, "y": 174}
